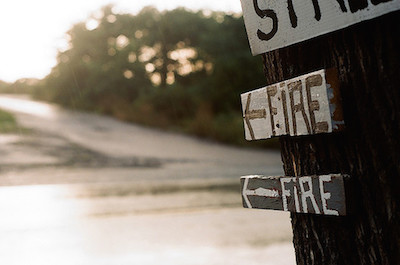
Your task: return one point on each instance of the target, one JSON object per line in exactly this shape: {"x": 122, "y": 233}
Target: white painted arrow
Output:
{"x": 257, "y": 192}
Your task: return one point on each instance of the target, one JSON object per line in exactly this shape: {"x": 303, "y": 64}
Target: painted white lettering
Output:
{"x": 307, "y": 194}
{"x": 326, "y": 195}
{"x": 296, "y": 200}
{"x": 285, "y": 192}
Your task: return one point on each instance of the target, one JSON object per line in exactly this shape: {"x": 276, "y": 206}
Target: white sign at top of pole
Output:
{"x": 273, "y": 24}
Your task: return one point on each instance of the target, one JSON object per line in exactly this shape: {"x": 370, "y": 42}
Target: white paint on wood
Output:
{"x": 323, "y": 194}
{"x": 308, "y": 194}
{"x": 256, "y": 192}
{"x": 246, "y": 199}
{"x": 286, "y": 192}
{"x": 299, "y": 106}
{"x": 272, "y": 24}
{"x": 262, "y": 192}
{"x": 296, "y": 199}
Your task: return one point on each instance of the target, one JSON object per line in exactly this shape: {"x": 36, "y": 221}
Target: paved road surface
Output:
{"x": 79, "y": 188}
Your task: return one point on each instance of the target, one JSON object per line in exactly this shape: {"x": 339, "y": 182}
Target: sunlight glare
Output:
{"x": 128, "y": 74}
{"x": 35, "y": 30}
{"x": 122, "y": 41}
{"x": 28, "y": 107}
{"x": 92, "y": 24}
{"x": 31, "y": 207}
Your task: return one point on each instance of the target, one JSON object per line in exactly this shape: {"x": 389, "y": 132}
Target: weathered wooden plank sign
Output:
{"x": 309, "y": 194}
{"x": 308, "y": 104}
{"x": 272, "y": 24}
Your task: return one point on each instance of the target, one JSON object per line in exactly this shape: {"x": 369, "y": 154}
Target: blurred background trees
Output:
{"x": 180, "y": 70}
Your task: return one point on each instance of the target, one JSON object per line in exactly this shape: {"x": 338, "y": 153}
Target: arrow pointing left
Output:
{"x": 252, "y": 114}
{"x": 257, "y": 192}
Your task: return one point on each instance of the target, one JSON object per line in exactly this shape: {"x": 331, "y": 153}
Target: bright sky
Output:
{"x": 33, "y": 30}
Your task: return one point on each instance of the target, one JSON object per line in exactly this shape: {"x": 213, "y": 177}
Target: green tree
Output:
{"x": 176, "y": 68}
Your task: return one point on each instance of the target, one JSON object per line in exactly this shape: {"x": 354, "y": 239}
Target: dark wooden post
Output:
{"x": 367, "y": 57}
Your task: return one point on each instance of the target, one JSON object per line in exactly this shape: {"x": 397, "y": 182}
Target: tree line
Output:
{"x": 180, "y": 70}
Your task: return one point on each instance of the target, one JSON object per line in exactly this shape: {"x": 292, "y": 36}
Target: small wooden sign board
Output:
{"x": 304, "y": 105}
{"x": 272, "y": 24}
{"x": 308, "y": 194}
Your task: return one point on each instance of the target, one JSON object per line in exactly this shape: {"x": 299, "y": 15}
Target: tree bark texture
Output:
{"x": 367, "y": 58}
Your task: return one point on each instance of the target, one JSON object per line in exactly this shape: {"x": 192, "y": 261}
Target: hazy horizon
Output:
{"x": 35, "y": 31}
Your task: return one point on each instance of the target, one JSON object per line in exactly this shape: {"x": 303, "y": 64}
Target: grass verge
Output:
{"x": 8, "y": 123}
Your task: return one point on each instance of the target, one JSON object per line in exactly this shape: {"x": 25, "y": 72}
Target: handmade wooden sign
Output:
{"x": 272, "y": 24}
{"x": 308, "y": 104}
{"x": 309, "y": 194}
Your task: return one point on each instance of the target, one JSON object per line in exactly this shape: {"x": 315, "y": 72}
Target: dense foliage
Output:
{"x": 176, "y": 69}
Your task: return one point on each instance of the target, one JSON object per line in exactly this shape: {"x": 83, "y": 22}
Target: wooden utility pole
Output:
{"x": 366, "y": 56}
